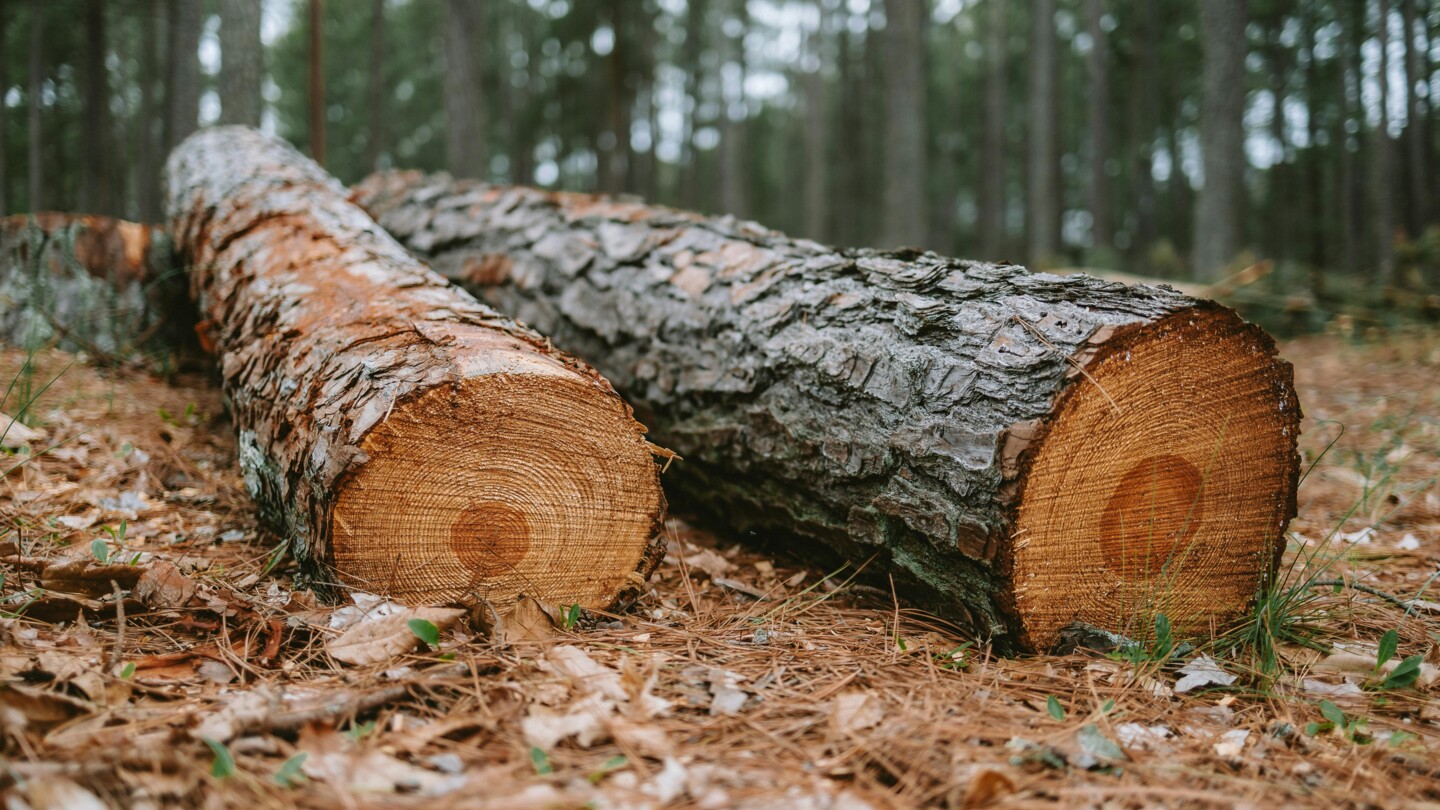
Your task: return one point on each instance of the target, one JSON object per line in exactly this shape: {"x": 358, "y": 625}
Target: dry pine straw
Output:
{"x": 813, "y": 696}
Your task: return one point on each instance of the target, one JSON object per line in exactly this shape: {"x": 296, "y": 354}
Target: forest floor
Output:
{"x": 154, "y": 653}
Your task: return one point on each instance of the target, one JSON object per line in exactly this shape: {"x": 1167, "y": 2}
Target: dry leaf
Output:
{"x": 1232, "y": 743}
{"x": 587, "y": 720}
{"x": 373, "y": 641}
{"x": 59, "y": 793}
{"x": 646, "y": 740}
{"x": 162, "y": 586}
{"x": 856, "y": 711}
{"x": 529, "y": 621}
{"x": 1202, "y": 671}
{"x": 89, "y": 577}
{"x": 14, "y": 435}
{"x": 986, "y": 786}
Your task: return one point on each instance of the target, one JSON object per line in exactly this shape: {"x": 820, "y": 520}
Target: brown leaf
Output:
{"x": 40, "y": 707}
{"x": 856, "y": 711}
{"x": 162, "y": 586}
{"x": 372, "y": 641}
{"x": 987, "y": 785}
{"x": 528, "y": 621}
{"x": 89, "y": 577}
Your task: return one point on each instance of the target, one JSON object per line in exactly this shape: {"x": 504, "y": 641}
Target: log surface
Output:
{"x": 1021, "y": 451}
{"x": 89, "y": 283}
{"x": 404, "y": 438}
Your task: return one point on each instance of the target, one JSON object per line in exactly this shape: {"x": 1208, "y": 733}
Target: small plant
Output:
{"x": 223, "y": 767}
{"x": 1404, "y": 674}
{"x": 100, "y": 550}
{"x": 358, "y": 732}
{"x": 1159, "y": 650}
{"x": 572, "y": 616}
{"x": 541, "y": 761}
{"x": 426, "y": 631}
{"x": 957, "y": 659}
{"x": 289, "y": 775}
{"x": 1053, "y": 707}
{"x": 606, "y": 768}
{"x": 128, "y": 671}
{"x": 1351, "y": 728}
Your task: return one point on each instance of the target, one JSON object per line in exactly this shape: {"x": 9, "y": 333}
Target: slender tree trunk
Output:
{"x": 182, "y": 74}
{"x": 993, "y": 231}
{"x": 1317, "y": 227}
{"x": 96, "y": 194}
{"x": 1281, "y": 236}
{"x": 1101, "y": 228}
{"x": 1418, "y": 170}
{"x": 149, "y": 133}
{"x": 850, "y": 217}
{"x": 1384, "y": 162}
{"x": 4, "y": 125}
{"x": 916, "y": 412}
{"x": 817, "y": 163}
{"x": 734, "y": 124}
{"x": 241, "y": 67}
{"x": 1351, "y": 39}
{"x": 370, "y": 394}
{"x": 1222, "y": 136}
{"x": 1145, "y": 125}
{"x": 464, "y": 100}
{"x": 1042, "y": 224}
{"x": 905, "y": 214}
{"x": 613, "y": 135}
{"x": 37, "y": 83}
{"x": 375, "y": 143}
{"x": 316, "y": 75}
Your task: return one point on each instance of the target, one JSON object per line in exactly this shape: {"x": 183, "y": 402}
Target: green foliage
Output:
{"x": 540, "y": 761}
{"x": 1335, "y": 719}
{"x": 289, "y": 775}
{"x": 606, "y": 768}
{"x": 1052, "y": 705}
{"x": 425, "y": 630}
{"x": 100, "y": 550}
{"x": 572, "y": 617}
{"x": 223, "y": 766}
{"x": 360, "y": 731}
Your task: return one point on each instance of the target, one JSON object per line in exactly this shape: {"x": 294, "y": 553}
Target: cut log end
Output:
{"x": 500, "y": 485}
{"x": 1163, "y": 485}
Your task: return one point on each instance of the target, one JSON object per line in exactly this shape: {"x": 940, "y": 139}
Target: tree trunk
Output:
{"x": 817, "y": 150}
{"x": 88, "y": 283}
{"x": 37, "y": 79}
{"x": 1042, "y": 224}
{"x": 148, "y": 134}
{"x": 4, "y": 140}
{"x": 464, "y": 99}
{"x": 315, "y": 100}
{"x": 1415, "y": 130}
{"x": 404, "y": 439}
{"x": 734, "y": 128}
{"x": 1222, "y": 136}
{"x": 1021, "y": 452}
{"x": 1101, "y": 230}
{"x": 241, "y": 67}
{"x": 1384, "y": 162}
{"x": 993, "y": 241}
{"x": 95, "y": 194}
{"x": 905, "y": 215}
{"x": 182, "y": 85}
{"x": 375, "y": 138}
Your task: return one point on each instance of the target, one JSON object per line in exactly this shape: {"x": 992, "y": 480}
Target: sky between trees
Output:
{"x": 1171, "y": 138}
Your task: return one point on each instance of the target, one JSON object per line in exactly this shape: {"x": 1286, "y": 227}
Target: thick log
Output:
{"x": 88, "y": 283}
{"x": 404, "y": 438}
{"x": 1022, "y": 452}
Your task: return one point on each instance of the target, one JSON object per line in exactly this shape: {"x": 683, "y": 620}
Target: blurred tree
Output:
{"x": 242, "y": 62}
{"x": 4, "y": 134}
{"x": 464, "y": 99}
{"x": 993, "y": 242}
{"x": 1043, "y": 202}
{"x": 149, "y": 136}
{"x": 1102, "y": 236}
{"x": 904, "y": 213}
{"x": 37, "y": 81}
{"x": 1222, "y": 133}
{"x": 182, "y": 74}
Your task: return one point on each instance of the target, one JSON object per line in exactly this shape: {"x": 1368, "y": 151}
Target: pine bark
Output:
{"x": 403, "y": 438}
{"x": 104, "y": 286}
{"x": 242, "y": 63}
{"x": 905, "y": 407}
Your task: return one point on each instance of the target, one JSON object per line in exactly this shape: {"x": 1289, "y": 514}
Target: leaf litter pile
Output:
{"x": 156, "y": 652}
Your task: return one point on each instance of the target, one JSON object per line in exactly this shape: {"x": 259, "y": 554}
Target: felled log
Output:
{"x": 1021, "y": 452}
{"x": 405, "y": 439}
{"x": 87, "y": 283}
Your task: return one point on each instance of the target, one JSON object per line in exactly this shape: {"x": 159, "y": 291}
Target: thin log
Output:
{"x": 402, "y": 437}
{"x": 1021, "y": 452}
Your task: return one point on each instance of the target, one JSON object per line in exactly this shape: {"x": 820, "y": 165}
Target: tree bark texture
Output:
{"x": 404, "y": 438}
{"x": 87, "y": 283}
{"x": 1022, "y": 452}
{"x": 1222, "y": 136}
{"x": 242, "y": 62}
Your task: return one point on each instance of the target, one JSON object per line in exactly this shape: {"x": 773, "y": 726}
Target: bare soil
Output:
{"x": 187, "y": 669}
